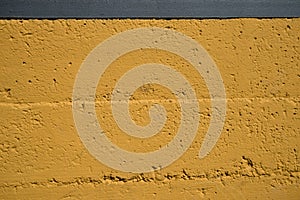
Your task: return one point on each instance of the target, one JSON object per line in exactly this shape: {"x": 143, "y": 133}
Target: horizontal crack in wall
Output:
{"x": 156, "y": 178}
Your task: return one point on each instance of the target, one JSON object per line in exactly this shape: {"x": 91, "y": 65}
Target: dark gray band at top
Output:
{"x": 53, "y": 9}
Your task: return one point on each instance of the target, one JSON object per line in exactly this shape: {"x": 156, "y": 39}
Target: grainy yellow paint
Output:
{"x": 257, "y": 155}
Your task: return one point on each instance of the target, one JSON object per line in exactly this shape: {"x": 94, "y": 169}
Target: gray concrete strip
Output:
{"x": 80, "y": 9}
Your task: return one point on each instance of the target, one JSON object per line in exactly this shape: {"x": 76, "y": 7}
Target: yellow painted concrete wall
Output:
{"x": 256, "y": 157}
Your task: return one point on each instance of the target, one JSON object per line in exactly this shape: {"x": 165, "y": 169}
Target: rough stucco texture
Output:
{"x": 256, "y": 157}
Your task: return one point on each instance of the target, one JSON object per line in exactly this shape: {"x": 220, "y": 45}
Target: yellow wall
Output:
{"x": 257, "y": 155}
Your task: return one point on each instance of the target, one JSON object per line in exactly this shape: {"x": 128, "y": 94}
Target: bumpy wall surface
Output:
{"x": 257, "y": 154}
